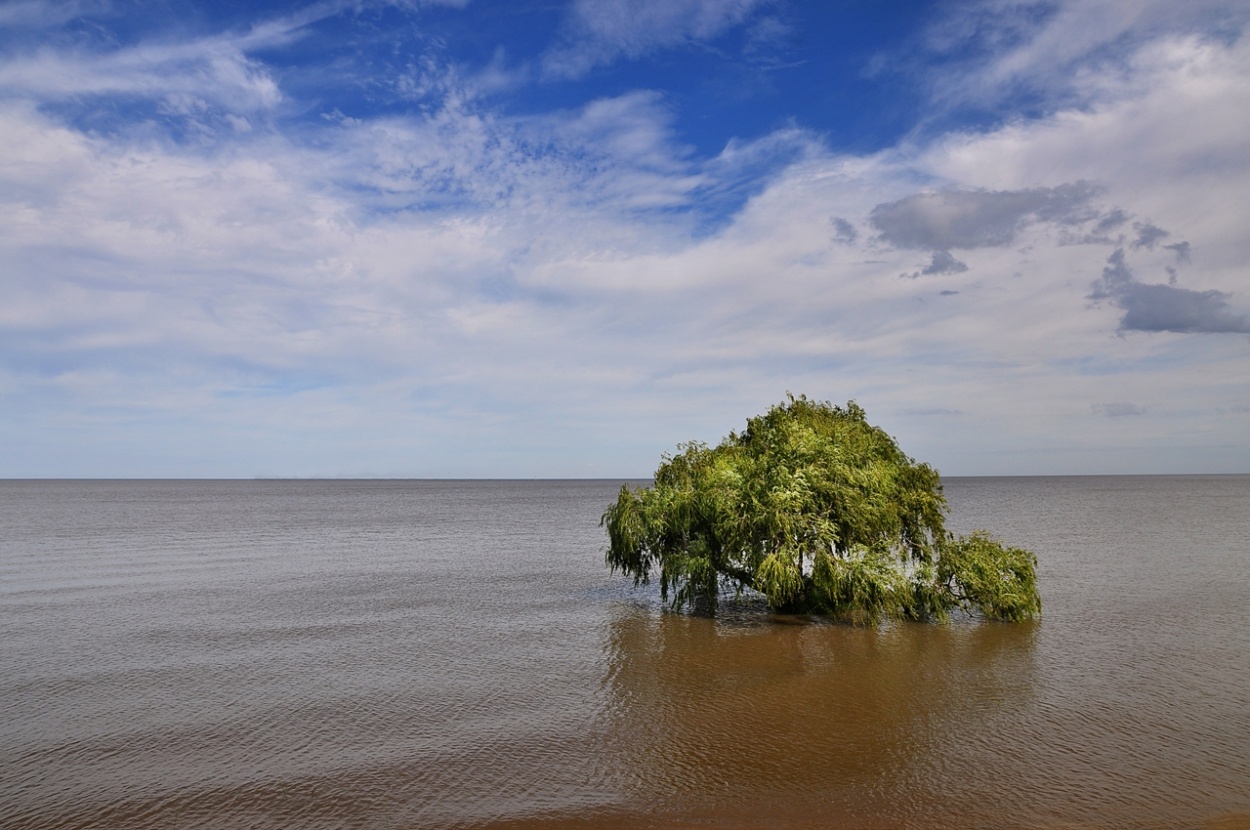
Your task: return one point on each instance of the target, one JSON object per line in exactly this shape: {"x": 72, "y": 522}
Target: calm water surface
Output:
{"x": 454, "y": 654}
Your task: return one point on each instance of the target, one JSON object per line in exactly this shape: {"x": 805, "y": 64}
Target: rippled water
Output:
{"x": 455, "y": 654}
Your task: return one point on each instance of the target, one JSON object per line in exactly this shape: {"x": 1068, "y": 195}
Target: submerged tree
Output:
{"x": 820, "y": 512}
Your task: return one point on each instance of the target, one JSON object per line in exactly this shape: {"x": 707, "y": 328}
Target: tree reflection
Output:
{"x": 807, "y": 721}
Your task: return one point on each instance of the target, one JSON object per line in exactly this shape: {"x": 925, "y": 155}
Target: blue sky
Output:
{"x": 555, "y": 238}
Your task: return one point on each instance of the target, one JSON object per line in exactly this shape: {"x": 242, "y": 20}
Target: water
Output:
{"x": 454, "y": 654}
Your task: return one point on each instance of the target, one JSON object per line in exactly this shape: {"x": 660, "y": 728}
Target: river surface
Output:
{"x": 420, "y": 654}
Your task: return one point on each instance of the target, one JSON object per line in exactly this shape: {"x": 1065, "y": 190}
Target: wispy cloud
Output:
{"x": 1060, "y": 53}
{"x": 215, "y": 69}
{"x": 25, "y": 15}
{"x": 599, "y": 32}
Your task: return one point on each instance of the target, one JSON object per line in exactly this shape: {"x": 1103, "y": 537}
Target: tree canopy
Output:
{"x": 821, "y": 513}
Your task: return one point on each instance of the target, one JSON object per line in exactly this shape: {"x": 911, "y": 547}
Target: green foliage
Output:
{"x": 820, "y": 512}
{"x": 998, "y": 581}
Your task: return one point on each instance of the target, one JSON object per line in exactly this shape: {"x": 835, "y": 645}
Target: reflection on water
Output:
{"x": 413, "y": 655}
{"x": 791, "y": 722}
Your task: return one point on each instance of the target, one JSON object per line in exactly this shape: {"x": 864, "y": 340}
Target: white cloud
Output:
{"x": 215, "y": 69}
{"x": 601, "y": 31}
{"x": 424, "y": 294}
{"x": 1064, "y": 51}
{"x": 1147, "y": 151}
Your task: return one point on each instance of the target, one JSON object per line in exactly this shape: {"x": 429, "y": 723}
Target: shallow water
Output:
{"x": 454, "y": 654}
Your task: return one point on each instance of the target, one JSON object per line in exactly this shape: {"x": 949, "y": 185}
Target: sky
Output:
{"x": 556, "y": 238}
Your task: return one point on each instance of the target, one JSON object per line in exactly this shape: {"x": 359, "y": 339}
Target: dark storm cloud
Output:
{"x": 1158, "y": 307}
{"x": 949, "y": 219}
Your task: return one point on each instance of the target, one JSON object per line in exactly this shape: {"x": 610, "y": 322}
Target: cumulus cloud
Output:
{"x": 1155, "y": 307}
{"x": 941, "y": 220}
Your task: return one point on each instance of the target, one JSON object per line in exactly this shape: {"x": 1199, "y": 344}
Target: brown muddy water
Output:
{"x": 389, "y": 654}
